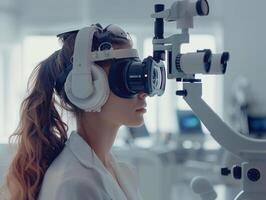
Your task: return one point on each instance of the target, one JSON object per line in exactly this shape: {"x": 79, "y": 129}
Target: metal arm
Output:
{"x": 240, "y": 145}
{"x": 252, "y": 151}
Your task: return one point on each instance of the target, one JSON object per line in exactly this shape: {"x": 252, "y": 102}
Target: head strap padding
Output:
{"x": 81, "y": 72}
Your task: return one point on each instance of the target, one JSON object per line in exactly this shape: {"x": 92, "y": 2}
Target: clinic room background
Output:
{"x": 184, "y": 147}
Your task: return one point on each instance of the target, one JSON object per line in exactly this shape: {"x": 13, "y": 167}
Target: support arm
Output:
{"x": 240, "y": 145}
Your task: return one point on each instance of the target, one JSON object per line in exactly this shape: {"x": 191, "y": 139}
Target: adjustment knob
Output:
{"x": 253, "y": 174}
{"x": 237, "y": 172}
{"x": 225, "y": 171}
{"x": 181, "y": 93}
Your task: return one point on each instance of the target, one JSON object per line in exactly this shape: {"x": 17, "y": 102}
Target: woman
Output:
{"x": 48, "y": 164}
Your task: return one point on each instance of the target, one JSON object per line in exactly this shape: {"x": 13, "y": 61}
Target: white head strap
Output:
{"x": 84, "y": 57}
{"x": 81, "y": 71}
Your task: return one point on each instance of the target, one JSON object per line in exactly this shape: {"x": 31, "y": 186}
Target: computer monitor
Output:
{"x": 257, "y": 126}
{"x": 188, "y": 122}
{"x": 138, "y": 132}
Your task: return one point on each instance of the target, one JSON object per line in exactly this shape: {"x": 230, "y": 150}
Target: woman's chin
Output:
{"x": 137, "y": 122}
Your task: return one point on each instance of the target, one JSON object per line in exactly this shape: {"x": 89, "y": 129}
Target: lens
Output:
{"x": 224, "y": 60}
{"x": 207, "y": 59}
{"x": 145, "y": 76}
{"x": 156, "y": 79}
{"x": 219, "y": 63}
{"x": 118, "y": 80}
{"x": 163, "y": 81}
{"x": 156, "y": 83}
{"x": 136, "y": 77}
{"x": 127, "y": 77}
{"x": 202, "y": 7}
{"x": 141, "y": 76}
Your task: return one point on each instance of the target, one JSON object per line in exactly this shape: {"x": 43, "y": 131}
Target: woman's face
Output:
{"x": 122, "y": 111}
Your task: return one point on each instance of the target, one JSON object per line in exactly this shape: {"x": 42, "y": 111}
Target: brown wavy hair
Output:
{"x": 41, "y": 133}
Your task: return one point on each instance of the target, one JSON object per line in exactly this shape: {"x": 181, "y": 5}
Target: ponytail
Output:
{"x": 40, "y": 135}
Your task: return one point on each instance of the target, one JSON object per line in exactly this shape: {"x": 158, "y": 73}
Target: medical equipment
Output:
{"x": 204, "y": 188}
{"x": 240, "y": 103}
{"x": 85, "y": 82}
{"x": 127, "y": 77}
{"x": 251, "y": 151}
{"x": 243, "y": 117}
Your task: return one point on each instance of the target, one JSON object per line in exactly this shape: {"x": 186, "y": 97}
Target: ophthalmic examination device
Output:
{"x": 183, "y": 68}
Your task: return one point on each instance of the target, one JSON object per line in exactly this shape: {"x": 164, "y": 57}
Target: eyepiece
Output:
{"x": 219, "y": 63}
{"x": 224, "y": 59}
{"x": 207, "y": 59}
{"x": 195, "y": 62}
{"x": 202, "y": 7}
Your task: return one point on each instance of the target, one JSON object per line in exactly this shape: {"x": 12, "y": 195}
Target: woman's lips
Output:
{"x": 141, "y": 110}
{"x": 141, "y": 107}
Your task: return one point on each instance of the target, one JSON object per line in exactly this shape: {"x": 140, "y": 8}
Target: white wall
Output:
{"x": 8, "y": 21}
{"x": 245, "y": 38}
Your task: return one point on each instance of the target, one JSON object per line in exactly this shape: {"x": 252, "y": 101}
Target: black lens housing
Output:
{"x": 139, "y": 76}
{"x": 202, "y": 7}
{"x": 128, "y": 77}
{"x": 224, "y": 59}
{"x": 117, "y": 78}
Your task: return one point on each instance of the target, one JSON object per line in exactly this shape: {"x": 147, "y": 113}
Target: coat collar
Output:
{"x": 82, "y": 151}
{"x": 88, "y": 158}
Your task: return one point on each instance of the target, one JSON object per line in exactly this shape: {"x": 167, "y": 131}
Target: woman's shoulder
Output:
{"x": 74, "y": 187}
{"x": 80, "y": 188}
{"x": 67, "y": 175}
{"x": 66, "y": 165}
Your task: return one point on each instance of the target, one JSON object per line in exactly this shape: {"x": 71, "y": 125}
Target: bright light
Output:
{"x": 1, "y": 94}
{"x": 36, "y": 49}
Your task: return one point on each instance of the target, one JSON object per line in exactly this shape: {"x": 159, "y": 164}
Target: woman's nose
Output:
{"x": 142, "y": 95}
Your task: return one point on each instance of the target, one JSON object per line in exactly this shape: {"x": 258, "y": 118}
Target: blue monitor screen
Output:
{"x": 188, "y": 122}
{"x": 257, "y": 125}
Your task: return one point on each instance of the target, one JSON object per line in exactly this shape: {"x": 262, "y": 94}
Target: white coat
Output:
{"x": 78, "y": 174}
